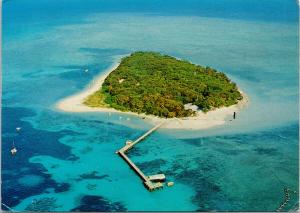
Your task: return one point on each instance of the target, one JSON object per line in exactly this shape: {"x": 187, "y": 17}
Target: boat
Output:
{"x": 13, "y": 151}
{"x": 170, "y": 183}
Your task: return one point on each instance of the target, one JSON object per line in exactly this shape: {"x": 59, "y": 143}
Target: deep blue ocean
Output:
{"x": 67, "y": 161}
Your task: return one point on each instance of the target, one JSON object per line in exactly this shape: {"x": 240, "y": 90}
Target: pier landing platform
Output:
{"x": 151, "y": 182}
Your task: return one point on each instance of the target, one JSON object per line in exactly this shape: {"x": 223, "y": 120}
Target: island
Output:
{"x": 158, "y": 87}
{"x": 161, "y": 85}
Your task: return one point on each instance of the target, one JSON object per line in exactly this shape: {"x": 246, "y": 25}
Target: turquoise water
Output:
{"x": 67, "y": 161}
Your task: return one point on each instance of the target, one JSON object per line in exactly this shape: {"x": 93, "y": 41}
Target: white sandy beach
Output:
{"x": 212, "y": 118}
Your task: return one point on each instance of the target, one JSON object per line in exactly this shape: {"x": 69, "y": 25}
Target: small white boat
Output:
{"x": 86, "y": 70}
{"x": 13, "y": 151}
{"x": 170, "y": 183}
{"x": 18, "y": 129}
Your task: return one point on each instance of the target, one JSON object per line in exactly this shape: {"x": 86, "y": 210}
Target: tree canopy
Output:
{"x": 152, "y": 83}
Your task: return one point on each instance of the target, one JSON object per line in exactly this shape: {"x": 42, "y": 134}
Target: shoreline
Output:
{"x": 216, "y": 117}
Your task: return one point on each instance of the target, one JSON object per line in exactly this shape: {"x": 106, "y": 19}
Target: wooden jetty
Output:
{"x": 151, "y": 182}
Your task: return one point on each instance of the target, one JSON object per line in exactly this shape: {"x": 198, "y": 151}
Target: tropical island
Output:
{"x": 161, "y": 85}
{"x": 159, "y": 88}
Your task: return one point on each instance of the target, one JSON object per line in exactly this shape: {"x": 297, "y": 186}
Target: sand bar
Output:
{"x": 203, "y": 120}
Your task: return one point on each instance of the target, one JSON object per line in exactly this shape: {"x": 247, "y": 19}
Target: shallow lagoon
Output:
{"x": 241, "y": 166}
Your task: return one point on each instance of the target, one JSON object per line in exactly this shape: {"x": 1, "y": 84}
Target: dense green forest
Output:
{"x": 152, "y": 83}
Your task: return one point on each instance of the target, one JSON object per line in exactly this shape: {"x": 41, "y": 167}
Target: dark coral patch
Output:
{"x": 91, "y": 203}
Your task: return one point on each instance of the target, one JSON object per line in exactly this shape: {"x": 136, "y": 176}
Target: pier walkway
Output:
{"x": 149, "y": 182}
{"x": 130, "y": 144}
